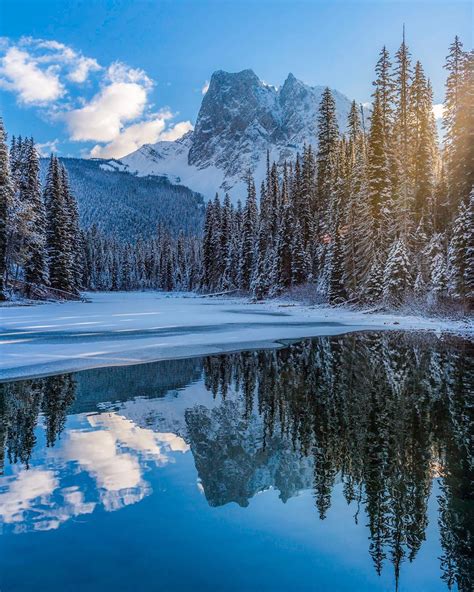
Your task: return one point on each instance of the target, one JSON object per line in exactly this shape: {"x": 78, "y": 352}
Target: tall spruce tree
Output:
{"x": 58, "y": 244}
{"x": 403, "y": 206}
{"x": 460, "y": 280}
{"x": 207, "y": 245}
{"x": 5, "y": 197}
{"x": 73, "y": 244}
{"x": 397, "y": 279}
{"x": 422, "y": 145}
{"x": 458, "y": 122}
{"x": 249, "y": 229}
{"x": 36, "y": 264}
{"x": 326, "y": 159}
{"x": 378, "y": 176}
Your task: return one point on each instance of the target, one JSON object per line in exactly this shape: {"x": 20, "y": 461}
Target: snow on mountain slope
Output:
{"x": 240, "y": 118}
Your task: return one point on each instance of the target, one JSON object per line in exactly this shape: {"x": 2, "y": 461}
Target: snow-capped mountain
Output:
{"x": 240, "y": 118}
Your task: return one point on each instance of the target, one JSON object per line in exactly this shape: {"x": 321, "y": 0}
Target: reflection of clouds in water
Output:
{"x": 33, "y": 490}
{"x": 118, "y": 474}
{"x": 110, "y": 448}
{"x": 21, "y": 489}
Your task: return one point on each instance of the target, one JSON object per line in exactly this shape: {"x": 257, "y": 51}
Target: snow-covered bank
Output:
{"x": 135, "y": 327}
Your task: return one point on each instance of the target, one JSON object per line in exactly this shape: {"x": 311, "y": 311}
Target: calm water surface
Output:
{"x": 338, "y": 463}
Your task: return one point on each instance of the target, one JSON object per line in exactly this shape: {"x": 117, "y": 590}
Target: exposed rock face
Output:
{"x": 240, "y": 118}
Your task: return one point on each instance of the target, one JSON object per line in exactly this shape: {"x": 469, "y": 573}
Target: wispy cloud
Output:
{"x": 46, "y": 148}
{"x": 205, "y": 87}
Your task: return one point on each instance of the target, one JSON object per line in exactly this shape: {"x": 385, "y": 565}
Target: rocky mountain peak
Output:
{"x": 240, "y": 118}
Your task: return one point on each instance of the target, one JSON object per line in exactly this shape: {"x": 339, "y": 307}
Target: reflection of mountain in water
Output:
{"x": 382, "y": 413}
{"x": 234, "y": 461}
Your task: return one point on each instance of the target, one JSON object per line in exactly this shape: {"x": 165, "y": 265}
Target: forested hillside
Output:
{"x": 128, "y": 206}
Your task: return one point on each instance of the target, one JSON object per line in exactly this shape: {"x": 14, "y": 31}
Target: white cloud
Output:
{"x": 138, "y": 134}
{"x": 122, "y": 100}
{"x": 205, "y": 88}
{"x": 83, "y": 66}
{"x": 77, "y": 65}
{"x": 177, "y": 131}
{"x": 37, "y": 70}
{"x": 20, "y": 73}
{"x": 113, "y": 110}
{"x": 22, "y": 490}
{"x": 45, "y": 148}
{"x": 119, "y": 72}
{"x": 103, "y": 117}
{"x": 438, "y": 111}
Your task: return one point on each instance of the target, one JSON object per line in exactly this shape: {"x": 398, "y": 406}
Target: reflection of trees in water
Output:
{"x": 385, "y": 413}
{"x": 20, "y": 406}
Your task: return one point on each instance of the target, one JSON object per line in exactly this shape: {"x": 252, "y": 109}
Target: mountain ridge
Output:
{"x": 240, "y": 118}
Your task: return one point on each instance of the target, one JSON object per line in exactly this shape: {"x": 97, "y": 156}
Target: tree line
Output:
{"x": 380, "y": 213}
{"x": 371, "y": 215}
{"x": 43, "y": 247}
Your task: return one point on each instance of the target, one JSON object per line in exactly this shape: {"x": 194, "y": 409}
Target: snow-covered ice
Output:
{"x": 133, "y": 327}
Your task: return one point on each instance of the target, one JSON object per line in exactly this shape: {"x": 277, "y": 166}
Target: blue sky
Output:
{"x": 100, "y": 77}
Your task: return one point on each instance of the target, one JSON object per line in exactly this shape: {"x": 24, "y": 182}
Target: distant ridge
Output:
{"x": 129, "y": 206}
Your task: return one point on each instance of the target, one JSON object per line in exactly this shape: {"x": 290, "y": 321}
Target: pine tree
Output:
{"x": 249, "y": 228}
{"x": 469, "y": 269}
{"x": 232, "y": 269}
{"x": 261, "y": 280}
{"x": 438, "y": 279}
{"x": 385, "y": 92}
{"x": 458, "y": 122}
{"x": 357, "y": 235}
{"x": 337, "y": 290}
{"x": 452, "y": 105}
{"x": 460, "y": 280}
{"x": 5, "y": 197}
{"x": 20, "y": 214}
{"x": 73, "y": 236}
{"x": 463, "y": 156}
{"x": 403, "y": 206}
{"x": 397, "y": 280}
{"x": 299, "y": 259}
{"x": 226, "y": 240}
{"x": 326, "y": 159}
{"x": 422, "y": 144}
{"x": 36, "y": 265}
{"x": 305, "y": 198}
{"x": 378, "y": 175}
{"x": 60, "y": 273}
{"x": 208, "y": 245}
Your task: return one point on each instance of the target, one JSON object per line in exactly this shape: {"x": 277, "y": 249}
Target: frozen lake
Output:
{"x": 134, "y": 327}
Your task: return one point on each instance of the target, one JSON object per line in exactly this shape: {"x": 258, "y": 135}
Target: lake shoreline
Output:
{"x": 118, "y": 329}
